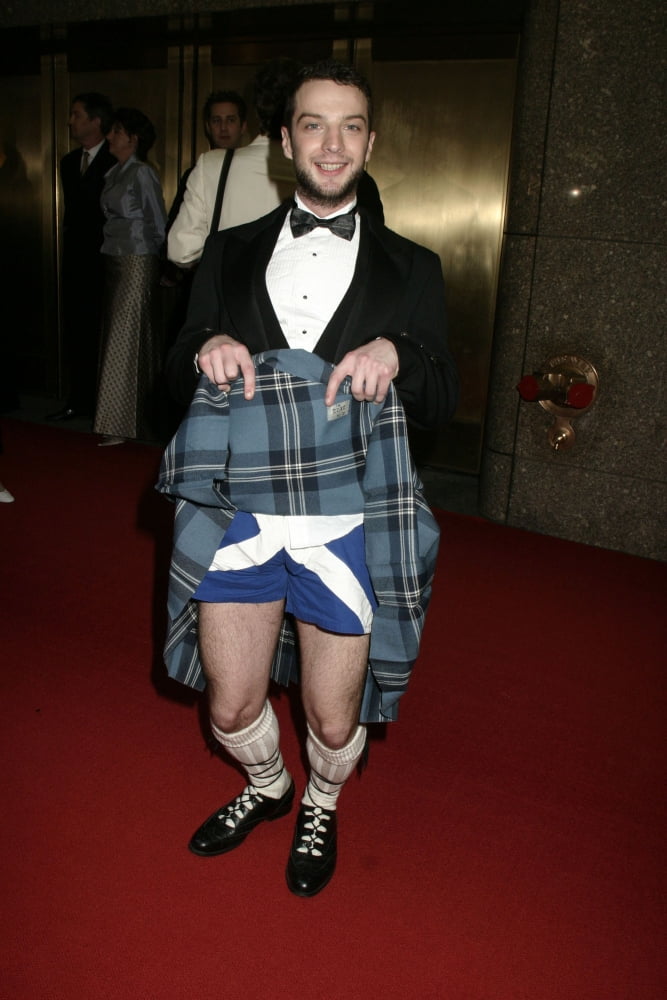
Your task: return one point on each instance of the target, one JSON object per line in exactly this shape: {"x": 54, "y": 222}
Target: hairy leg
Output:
{"x": 237, "y": 643}
{"x": 333, "y": 672}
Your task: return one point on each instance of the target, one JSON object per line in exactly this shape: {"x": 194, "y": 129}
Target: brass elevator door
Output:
{"x": 441, "y": 160}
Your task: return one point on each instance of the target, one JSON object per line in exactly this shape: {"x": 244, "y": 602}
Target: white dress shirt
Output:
{"x": 93, "y": 151}
{"x": 307, "y": 278}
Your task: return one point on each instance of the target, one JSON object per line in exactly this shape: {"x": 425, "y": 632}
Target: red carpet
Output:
{"x": 506, "y": 842}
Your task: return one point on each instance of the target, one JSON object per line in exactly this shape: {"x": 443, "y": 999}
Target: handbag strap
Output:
{"x": 215, "y": 221}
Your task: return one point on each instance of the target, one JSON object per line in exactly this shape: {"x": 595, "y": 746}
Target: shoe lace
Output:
{"x": 240, "y": 806}
{"x": 309, "y": 837}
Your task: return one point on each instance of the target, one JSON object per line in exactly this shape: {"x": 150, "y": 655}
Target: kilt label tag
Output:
{"x": 338, "y": 410}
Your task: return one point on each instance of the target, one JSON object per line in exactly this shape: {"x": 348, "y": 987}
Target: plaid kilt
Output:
{"x": 284, "y": 452}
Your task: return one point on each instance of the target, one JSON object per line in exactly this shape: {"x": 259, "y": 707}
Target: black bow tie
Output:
{"x": 303, "y": 222}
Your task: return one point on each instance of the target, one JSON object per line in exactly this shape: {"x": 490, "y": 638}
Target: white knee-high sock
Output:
{"x": 257, "y": 749}
{"x": 330, "y": 769}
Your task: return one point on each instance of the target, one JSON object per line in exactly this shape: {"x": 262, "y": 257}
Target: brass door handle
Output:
{"x": 556, "y": 387}
{"x": 565, "y": 386}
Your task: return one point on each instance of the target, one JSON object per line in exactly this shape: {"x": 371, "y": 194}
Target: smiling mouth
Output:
{"x": 330, "y": 168}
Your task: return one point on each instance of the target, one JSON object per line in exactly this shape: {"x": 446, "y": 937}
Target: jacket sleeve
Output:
{"x": 427, "y": 382}
{"x": 187, "y": 235}
{"x": 206, "y": 316}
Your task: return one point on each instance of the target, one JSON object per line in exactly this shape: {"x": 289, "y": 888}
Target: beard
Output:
{"x": 320, "y": 195}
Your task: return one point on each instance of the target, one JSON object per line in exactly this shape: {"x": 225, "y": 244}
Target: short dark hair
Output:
{"x": 96, "y": 106}
{"x": 338, "y": 72}
{"x": 225, "y": 97}
{"x": 136, "y": 123}
{"x": 271, "y": 87}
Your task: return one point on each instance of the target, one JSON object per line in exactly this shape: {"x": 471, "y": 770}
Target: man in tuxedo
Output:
{"x": 319, "y": 275}
{"x": 82, "y": 178}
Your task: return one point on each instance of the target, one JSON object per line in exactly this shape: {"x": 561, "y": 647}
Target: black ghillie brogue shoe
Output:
{"x": 230, "y": 825}
{"x": 312, "y": 860}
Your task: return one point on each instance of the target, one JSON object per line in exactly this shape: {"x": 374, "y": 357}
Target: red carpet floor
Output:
{"x": 507, "y": 841}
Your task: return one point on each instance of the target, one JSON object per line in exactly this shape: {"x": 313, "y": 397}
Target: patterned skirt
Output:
{"x": 129, "y": 393}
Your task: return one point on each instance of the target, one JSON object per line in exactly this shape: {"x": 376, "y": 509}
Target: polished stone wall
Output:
{"x": 585, "y": 272}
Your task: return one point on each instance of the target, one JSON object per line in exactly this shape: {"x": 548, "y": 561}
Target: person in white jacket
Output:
{"x": 259, "y": 178}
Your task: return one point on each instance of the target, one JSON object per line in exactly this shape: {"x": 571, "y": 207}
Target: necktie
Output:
{"x": 84, "y": 162}
{"x": 303, "y": 222}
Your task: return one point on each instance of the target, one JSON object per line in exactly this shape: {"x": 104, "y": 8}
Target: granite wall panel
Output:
{"x": 595, "y": 284}
{"x": 605, "y": 158}
{"x": 609, "y": 511}
{"x": 606, "y": 302}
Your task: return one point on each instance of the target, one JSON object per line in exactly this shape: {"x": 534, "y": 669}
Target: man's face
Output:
{"x": 84, "y": 130}
{"x": 225, "y": 128}
{"x": 329, "y": 142}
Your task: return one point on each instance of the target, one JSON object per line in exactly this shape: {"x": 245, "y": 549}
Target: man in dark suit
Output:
{"x": 82, "y": 178}
{"x": 326, "y": 276}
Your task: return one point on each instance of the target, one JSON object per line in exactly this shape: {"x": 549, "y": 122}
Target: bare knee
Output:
{"x": 333, "y": 733}
{"x": 233, "y": 716}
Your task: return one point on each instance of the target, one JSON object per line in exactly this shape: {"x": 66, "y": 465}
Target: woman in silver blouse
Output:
{"x": 134, "y": 232}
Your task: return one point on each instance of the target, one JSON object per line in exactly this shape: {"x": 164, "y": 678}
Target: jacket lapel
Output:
{"x": 103, "y": 162}
{"x": 368, "y": 299}
{"x": 364, "y": 310}
{"x": 244, "y": 280}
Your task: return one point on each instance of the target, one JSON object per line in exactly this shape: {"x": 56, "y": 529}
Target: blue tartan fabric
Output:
{"x": 285, "y": 452}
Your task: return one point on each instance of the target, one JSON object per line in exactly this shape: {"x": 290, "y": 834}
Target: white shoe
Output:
{"x": 5, "y": 496}
{"x": 109, "y": 440}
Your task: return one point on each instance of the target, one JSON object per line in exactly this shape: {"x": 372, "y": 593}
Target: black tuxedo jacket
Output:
{"x": 397, "y": 292}
{"x": 83, "y": 219}
{"x": 82, "y": 271}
